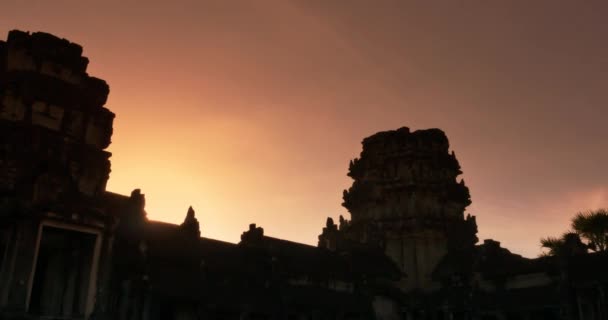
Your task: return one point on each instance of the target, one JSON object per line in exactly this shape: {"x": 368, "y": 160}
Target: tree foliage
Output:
{"x": 592, "y": 226}
{"x": 568, "y": 244}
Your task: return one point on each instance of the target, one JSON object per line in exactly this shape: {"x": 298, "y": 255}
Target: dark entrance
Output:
{"x": 63, "y": 269}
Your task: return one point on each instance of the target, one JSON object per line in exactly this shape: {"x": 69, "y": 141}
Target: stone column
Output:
{"x": 602, "y": 302}
{"x": 579, "y": 304}
{"x": 125, "y": 300}
{"x": 102, "y": 298}
{"x": 147, "y": 307}
{"x": 93, "y": 264}
{"x": 8, "y": 265}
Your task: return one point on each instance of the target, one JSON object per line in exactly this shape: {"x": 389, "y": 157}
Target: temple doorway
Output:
{"x": 60, "y": 286}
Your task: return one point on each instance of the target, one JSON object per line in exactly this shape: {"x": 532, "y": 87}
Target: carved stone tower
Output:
{"x": 406, "y": 199}
{"x": 54, "y": 231}
{"x": 55, "y": 128}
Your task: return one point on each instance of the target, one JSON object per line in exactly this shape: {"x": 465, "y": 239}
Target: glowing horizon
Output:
{"x": 251, "y": 112}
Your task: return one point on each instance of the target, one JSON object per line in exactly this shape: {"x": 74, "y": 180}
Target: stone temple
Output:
{"x": 405, "y": 198}
{"x": 70, "y": 249}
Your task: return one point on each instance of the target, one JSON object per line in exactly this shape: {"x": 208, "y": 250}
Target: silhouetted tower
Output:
{"x": 406, "y": 200}
{"x": 53, "y": 175}
{"x": 54, "y": 126}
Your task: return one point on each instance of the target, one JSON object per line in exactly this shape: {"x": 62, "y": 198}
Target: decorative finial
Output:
{"x": 253, "y": 235}
{"x": 190, "y": 214}
{"x": 138, "y": 198}
{"x": 330, "y": 222}
{"x": 190, "y": 223}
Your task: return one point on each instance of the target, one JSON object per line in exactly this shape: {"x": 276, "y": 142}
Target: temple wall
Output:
{"x": 19, "y": 268}
{"x": 386, "y": 309}
{"x": 185, "y": 312}
{"x": 528, "y": 280}
{"x": 60, "y": 72}
{"x": 12, "y": 108}
{"x": 484, "y": 284}
{"x": 417, "y": 257}
{"x": 47, "y": 116}
{"x": 7, "y": 266}
{"x": 19, "y": 60}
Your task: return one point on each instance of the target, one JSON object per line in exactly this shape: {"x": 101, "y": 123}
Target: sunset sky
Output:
{"x": 251, "y": 110}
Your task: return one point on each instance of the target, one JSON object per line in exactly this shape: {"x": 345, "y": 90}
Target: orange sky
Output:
{"x": 250, "y": 110}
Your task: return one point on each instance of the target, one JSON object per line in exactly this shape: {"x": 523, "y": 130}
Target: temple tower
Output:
{"x": 406, "y": 200}
{"x": 53, "y": 172}
{"x": 54, "y": 126}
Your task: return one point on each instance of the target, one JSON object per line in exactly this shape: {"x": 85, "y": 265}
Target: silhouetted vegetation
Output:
{"x": 590, "y": 226}
{"x": 568, "y": 244}
{"x": 593, "y": 227}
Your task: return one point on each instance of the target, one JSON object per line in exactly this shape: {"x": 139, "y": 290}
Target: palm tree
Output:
{"x": 568, "y": 244}
{"x": 593, "y": 226}
{"x": 552, "y": 244}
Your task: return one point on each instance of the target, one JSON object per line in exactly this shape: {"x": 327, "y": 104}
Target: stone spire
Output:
{"x": 405, "y": 199}
{"x": 190, "y": 223}
{"x": 405, "y": 174}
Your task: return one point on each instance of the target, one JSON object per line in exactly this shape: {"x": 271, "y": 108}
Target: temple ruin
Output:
{"x": 406, "y": 200}
{"x": 70, "y": 249}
